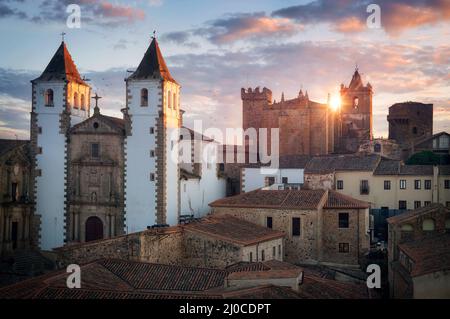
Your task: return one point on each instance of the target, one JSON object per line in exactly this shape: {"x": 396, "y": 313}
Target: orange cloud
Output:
{"x": 350, "y": 25}
{"x": 109, "y": 10}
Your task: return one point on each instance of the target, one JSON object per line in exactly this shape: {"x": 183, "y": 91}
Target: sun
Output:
{"x": 335, "y": 103}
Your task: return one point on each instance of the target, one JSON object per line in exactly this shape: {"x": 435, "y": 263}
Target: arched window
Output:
{"x": 49, "y": 97}
{"x": 75, "y": 100}
{"x": 407, "y": 227}
{"x": 175, "y": 102}
{"x": 355, "y": 102}
{"x": 414, "y": 130}
{"x": 144, "y": 97}
{"x": 82, "y": 102}
{"x": 428, "y": 224}
{"x": 169, "y": 100}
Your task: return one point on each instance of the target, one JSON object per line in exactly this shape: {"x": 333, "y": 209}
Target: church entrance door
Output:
{"x": 94, "y": 228}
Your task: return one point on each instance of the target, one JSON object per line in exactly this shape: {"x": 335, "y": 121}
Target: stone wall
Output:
{"x": 319, "y": 181}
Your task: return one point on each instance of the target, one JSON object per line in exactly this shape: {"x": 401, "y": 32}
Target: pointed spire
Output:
{"x": 61, "y": 67}
{"x": 356, "y": 81}
{"x": 152, "y": 65}
{"x": 306, "y": 95}
{"x": 300, "y": 94}
{"x": 282, "y": 96}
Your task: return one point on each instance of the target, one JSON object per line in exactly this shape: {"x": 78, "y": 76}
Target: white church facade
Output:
{"x": 97, "y": 176}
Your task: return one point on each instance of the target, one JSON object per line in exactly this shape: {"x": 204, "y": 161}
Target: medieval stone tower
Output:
{"x": 60, "y": 99}
{"x": 151, "y": 149}
{"x": 355, "y": 121}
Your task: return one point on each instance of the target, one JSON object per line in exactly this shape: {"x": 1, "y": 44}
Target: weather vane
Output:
{"x": 62, "y": 35}
{"x": 154, "y": 34}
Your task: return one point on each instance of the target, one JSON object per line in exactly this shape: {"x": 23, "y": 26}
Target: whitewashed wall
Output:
{"x": 253, "y": 178}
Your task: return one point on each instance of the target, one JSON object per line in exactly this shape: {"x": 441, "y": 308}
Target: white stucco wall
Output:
{"x": 50, "y": 186}
{"x": 196, "y": 193}
{"x": 253, "y": 178}
{"x": 140, "y": 191}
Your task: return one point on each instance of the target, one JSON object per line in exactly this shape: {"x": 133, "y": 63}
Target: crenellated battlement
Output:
{"x": 256, "y": 94}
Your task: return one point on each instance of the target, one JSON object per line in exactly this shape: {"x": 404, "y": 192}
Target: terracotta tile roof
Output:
{"x": 413, "y": 214}
{"x": 314, "y": 287}
{"x": 268, "y": 274}
{"x": 234, "y": 230}
{"x": 338, "y": 200}
{"x": 444, "y": 170}
{"x": 296, "y": 199}
{"x": 260, "y": 266}
{"x": 164, "y": 277}
{"x": 352, "y": 162}
{"x": 388, "y": 167}
{"x": 152, "y": 65}
{"x": 429, "y": 254}
{"x": 416, "y": 170}
{"x": 61, "y": 67}
{"x": 289, "y": 199}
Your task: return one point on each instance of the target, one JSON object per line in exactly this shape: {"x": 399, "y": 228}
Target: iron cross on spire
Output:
{"x": 154, "y": 34}
{"x": 62, "y": 35}
{"x": 96, "y": 98}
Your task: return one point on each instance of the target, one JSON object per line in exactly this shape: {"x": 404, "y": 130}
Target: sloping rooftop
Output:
{"x": 388, "y": 167}
{"x": 416, "y": 170}
{"x": 61, "y": 67}
{"x": 232, "y": 229}
{"x": 349, "y": 162}
{"x": 415, "y": 213}
{"x": 289, "y": 199}
{"x": 429, "y": 254}
{"x": 152, "y": 65}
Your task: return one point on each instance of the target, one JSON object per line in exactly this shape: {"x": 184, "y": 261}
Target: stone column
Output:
{"x": 113, "y": 225}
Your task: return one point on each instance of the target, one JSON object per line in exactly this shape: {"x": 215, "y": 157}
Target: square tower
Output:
{"x": 151, "y": 147}
{"x": 60, "y": 99}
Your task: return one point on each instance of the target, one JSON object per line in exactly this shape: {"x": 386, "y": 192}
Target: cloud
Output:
{"x": 350, "y": 16}
{"x": 155, "y": 3}
{"x": 6, "y": 11}
{"x": 239, "y": 26}
{"x": 179, "y": 38}
{"x": 93, "y": 12}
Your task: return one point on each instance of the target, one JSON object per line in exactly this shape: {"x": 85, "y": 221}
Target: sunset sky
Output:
{"x": 213, "y": 48}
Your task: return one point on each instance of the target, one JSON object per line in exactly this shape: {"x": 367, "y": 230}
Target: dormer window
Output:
{"x": 144, "y": 97}
{"x": 49, "y": 97}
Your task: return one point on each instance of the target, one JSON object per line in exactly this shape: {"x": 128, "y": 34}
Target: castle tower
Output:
{"x": 355, "y": 123}
{"x": 151, "y": 172}
{"x": 60, "y": 99}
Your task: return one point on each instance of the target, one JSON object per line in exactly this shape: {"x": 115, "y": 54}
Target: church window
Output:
{"x": 40, "y": 130}
{"x": 94, "y": 197}
{"x": 355, "y": 102}
{"x": 175, "y": 101}
{"x": 263, "y": 255}
{"x": 414, "y": 130}
{"x": 152, "y": 130}
{"x": 49, "y": 97}
{"x": 95, "y": 150}
{"x": 152, "y": 177}
{"x": 83, "y": 102}
{"x": 144, "y": 97}
{"x": 95, "y": 125}
{"x": 152, "y": 153}
{"x": 377, "y": 148}
{"x": 75, "y": 100}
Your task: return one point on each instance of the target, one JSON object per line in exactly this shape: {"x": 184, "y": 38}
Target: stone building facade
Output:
{"x": 96, "y": 179}
{"x": 16, "y": 218}
{"x": 320, "y": 226}
{"x": 409, "y": 121}
{"x": 311, "y": 128}
{"x": 419, "y": 253}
